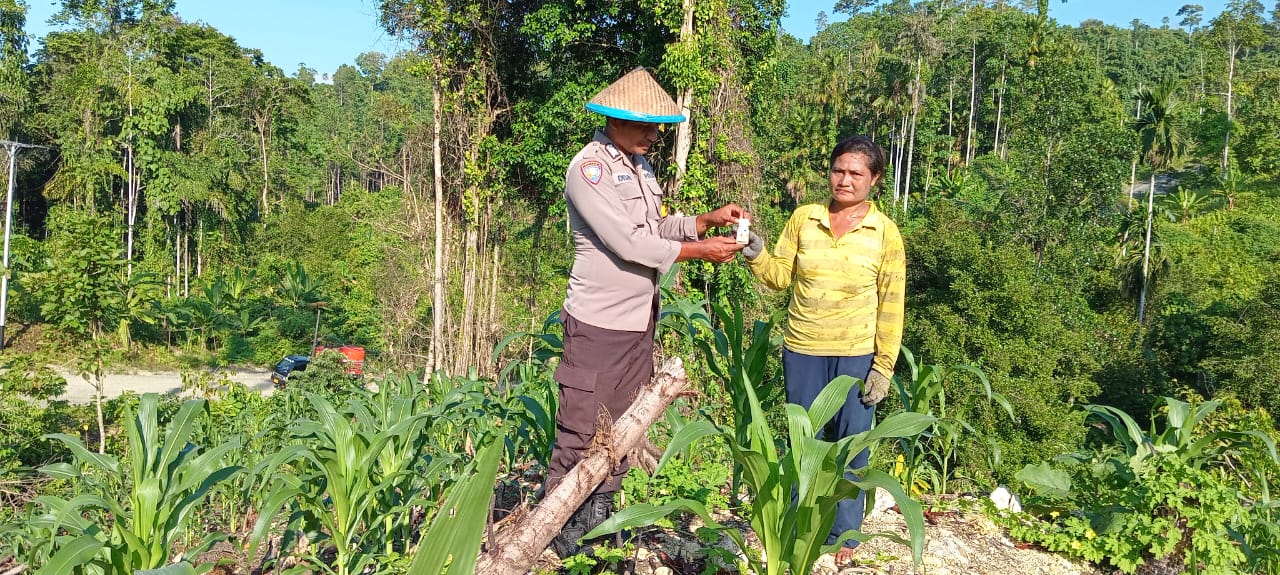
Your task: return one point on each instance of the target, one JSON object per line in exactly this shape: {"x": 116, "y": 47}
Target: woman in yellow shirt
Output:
{"x": 846, "y": 262}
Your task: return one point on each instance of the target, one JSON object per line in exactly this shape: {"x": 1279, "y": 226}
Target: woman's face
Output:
{"x": 851, "y": 179}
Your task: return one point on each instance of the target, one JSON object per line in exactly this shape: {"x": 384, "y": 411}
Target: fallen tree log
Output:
{"x": 516, "y": 548}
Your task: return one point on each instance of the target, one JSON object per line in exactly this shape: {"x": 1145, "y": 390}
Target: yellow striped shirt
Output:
{"x": 849, "y": 293}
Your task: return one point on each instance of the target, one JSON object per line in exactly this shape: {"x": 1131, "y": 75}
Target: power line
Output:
{"x": 12, "y": 148}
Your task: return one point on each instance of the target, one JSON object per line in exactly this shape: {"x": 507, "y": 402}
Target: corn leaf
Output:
{"x": 74, "y": 554}
{"x": 458, "y": 527}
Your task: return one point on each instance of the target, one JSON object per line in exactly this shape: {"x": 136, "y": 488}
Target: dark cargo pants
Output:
{"x": 600, "y": 368}
{"x": 806, "y": 376}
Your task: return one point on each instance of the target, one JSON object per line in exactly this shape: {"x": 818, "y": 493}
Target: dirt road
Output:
{"x": 81, "y": 391}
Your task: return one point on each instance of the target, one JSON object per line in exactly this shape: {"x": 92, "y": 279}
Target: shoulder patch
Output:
{"x": 592, "y": 171}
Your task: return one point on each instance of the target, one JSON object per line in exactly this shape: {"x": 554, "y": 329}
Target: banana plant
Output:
{"x": 166, "y": 479}
{"x": 794, "y": 488}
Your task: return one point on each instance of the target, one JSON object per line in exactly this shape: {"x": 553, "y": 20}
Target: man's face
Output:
{"x": 632, "y": 137}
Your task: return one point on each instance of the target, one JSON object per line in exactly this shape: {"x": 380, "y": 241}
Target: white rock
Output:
{"x": 883, "y": 502}
{"x": 663, "y": 571}
{"x": 1006, "y": 500}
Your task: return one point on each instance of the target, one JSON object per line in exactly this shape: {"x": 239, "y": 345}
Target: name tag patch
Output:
{"x": 624, "y": 178}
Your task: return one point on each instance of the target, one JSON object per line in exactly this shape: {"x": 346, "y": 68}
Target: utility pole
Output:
{"x": 12, "y": 148}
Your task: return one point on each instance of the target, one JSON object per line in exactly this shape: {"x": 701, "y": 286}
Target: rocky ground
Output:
{"x": 958, "y": 542}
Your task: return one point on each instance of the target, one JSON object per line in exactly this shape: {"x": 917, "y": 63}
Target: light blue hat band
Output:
{"x": 621, "y": 114}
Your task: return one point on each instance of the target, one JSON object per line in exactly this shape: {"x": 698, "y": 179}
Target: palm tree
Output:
{"x": 1163, "y": 145}
{"x": 1185, "y": 204}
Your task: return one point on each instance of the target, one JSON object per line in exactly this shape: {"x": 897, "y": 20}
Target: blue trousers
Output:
{"x": 806, "y": 376}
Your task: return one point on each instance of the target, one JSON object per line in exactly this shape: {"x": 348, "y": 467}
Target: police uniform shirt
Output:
{"x": 622, "y": 240}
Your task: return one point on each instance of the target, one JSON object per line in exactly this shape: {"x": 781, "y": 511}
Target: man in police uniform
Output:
{"x": 623, "y": 239}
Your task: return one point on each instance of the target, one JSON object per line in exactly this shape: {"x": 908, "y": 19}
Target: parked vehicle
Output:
{"x": 352, "y": 363}
{"x": 291, "y": 363}
{"x": 353, "y": 357}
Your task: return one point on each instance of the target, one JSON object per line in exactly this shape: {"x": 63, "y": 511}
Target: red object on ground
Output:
{"x": 353, "y": 357}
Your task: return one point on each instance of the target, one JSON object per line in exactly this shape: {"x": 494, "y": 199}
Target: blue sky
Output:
{"x": 802, "y": 14}
{"x": 324, "y": 34}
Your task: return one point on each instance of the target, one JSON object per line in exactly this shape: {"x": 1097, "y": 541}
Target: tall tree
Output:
{"x": 14, "y": 94}
{"x": 1237, "y": 29}
{"x": 1164, "y": 143}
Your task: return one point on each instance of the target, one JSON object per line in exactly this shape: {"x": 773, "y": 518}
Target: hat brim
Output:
{"x": 621, "y": 114}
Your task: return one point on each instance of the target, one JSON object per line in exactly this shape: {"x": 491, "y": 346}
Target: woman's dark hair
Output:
{"x": 860, "y": 145}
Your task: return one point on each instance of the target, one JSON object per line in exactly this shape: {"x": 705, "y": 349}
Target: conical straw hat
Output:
{"x": 637, "y": 96}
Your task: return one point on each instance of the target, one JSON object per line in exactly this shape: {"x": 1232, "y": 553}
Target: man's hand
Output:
{"x": 718, "y": 249}
{"x": 876, "y": 389}
{"x": 754, "y": 246}
{"x": 727, "y": 215}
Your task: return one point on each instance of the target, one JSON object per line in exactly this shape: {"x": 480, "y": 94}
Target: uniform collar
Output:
{"x": 612, "y": 150}
{"x": 823, "y": 215}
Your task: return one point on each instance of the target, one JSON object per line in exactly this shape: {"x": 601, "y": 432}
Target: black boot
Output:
{"x": 593, "y": 512}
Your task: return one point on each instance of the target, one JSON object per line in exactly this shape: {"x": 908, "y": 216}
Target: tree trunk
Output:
{"x": 177, "y": 254}
{"x": 200, "y": 248}
{"x": 900, "y": 161}
{"x": 916, "y": 97}
{"x": 131, "y": 206}
{"x": 516, "y": 548}
{"x": 1231, "y": 73}
{"x": 97, "y": 387}
{"x": 995, "y": 145}
{"x": 471, "y": 258}
{"x": 261, "y": 122}
{"x": 973, "y": 91}
{"x": 1146, "y": 250}
{"x": 437, "y": 300}
{"x": 684, "y": 134}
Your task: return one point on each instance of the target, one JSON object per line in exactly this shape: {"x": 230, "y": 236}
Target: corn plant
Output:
{"x": 737, "y": 357}
{"x": 536, "y": 394}
{"x": 241, "y": 415}
{"x": 931, "y": 455}
{"x": 345, "y": 479}
{"x": 392, "y": 411}
{"x": 794, "y": 488}
{"x": 452, "y": 542}
{"x": 165, "y": 478}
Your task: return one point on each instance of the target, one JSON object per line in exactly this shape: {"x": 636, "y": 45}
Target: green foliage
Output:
{"x": 691, "y": 478}
{"x": 143, "y": 505}
{"x": 26, "y": 381}
{"x": 1026, "y": 323}
{"x": 1213, "y": 308}
{"x": 1157, "y": 495}
{"x": 79, "y": 284}
{"x": 932, "y": 455}
{"x": 793, "y": 490}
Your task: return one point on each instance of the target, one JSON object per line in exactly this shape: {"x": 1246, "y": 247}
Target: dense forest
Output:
{"x": 1091, "y": 213}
